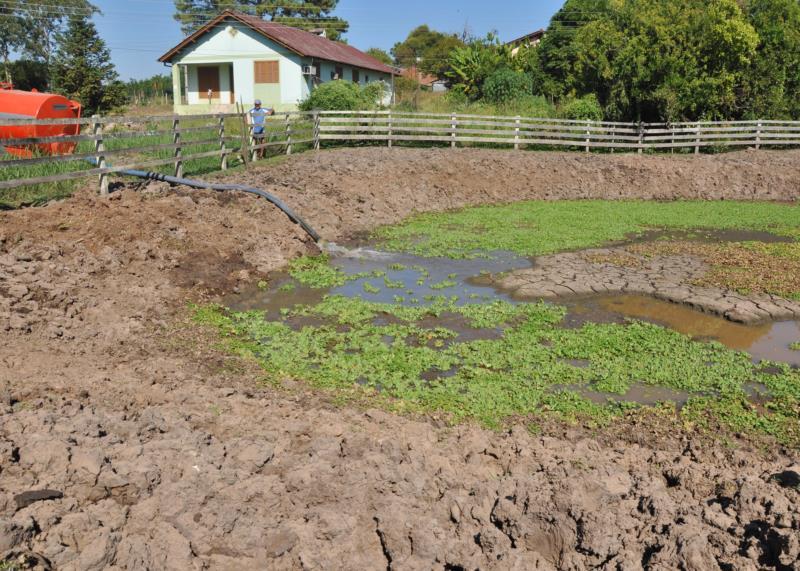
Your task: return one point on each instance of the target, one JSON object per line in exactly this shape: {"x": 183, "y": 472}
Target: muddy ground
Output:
{"x": 163, "y": 453}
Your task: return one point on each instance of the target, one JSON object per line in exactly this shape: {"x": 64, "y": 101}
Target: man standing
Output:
{"x": 258, "y": 118}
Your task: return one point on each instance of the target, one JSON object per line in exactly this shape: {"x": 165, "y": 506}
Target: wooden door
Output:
{"x": 208, "y": 78}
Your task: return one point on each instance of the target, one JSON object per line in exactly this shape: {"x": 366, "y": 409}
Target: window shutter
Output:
{"x": 267, "y": 72}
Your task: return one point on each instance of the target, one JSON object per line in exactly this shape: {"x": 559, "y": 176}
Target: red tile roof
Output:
{"x": 299, "y": 41}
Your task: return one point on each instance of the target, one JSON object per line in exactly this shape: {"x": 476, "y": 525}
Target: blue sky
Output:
{"x": 139, "y": 31}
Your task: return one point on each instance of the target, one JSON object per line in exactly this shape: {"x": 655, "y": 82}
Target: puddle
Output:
{"x": 391, "y": 278}
{"x": 410, "y": 280}
{"x": 768, "y": 341}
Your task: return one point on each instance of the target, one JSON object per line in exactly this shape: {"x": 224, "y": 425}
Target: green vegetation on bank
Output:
{"x": 527, "y": 365}
{"x": 543, "y": 227}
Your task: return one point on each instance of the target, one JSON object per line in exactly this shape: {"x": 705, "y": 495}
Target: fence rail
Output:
{"x": 177, "y": 140}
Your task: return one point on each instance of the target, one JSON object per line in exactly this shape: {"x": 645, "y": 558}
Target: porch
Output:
{"x": 204, "y": 87}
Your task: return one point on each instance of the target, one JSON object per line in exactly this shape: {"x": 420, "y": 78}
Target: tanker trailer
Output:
{"x": 16, "y": 104}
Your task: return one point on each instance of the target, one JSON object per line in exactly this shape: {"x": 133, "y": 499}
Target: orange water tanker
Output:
{"x": 16, "y": 104}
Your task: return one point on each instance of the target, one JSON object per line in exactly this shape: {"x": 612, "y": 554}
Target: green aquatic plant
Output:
{"x": 316, "y": 271}
{"x": 523, "y": 366}
{"x": 443, "y": 284}
{"x": 369, "y": 288}
{"x": 544, "y": 227}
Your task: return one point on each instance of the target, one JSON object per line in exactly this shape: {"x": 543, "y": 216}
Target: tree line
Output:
{"x": 60, "y": 51}
{"x": 640, "y": 60}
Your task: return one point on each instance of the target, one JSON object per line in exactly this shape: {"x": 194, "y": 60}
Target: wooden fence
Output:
{"x": 175, "y": 141}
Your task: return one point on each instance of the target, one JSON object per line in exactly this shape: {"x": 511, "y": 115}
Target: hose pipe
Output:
{"x": 222, "y": 187}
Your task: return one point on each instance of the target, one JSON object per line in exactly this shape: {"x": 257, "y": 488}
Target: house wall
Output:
{"x": 234, "y": 44}
{"x": 237, "y": 45}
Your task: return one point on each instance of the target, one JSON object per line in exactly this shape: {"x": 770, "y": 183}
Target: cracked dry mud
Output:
{"x": 170, "y": 455}
{"x": 670, "y": 278}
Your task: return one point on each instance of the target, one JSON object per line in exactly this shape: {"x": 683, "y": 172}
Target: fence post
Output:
{"x": 641, "y": 137}
{"x": 672, "y": 130}
{"x": 288, "y": 134}
{"x": 697, "y": 140}
{"x": 255, "y": 141}
{"x": 516, "y": 132}
{"x": 390, "y": 129}
{"x": 222, "y": 150}
{"x": 316, "y": 130}
{"x": 99, "y": 148}
{"x": 758, "y": 135}
{"x": 588, "y": 132}
{"x": 613, "y": 137}
{"x": 176, "y": 139}
{"x": 453, "y": 130}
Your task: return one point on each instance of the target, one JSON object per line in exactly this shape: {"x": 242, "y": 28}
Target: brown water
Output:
{"x": 411, "y": 280}
{"x": 767, "y": 341}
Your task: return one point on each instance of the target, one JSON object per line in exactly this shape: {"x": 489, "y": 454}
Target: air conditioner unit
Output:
{"x": 309, "y": 70}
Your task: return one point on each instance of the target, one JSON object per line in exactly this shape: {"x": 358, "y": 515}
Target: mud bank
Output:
{"x": 170, "y": 455}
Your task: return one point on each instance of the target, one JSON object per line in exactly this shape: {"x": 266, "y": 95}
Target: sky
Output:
{"x": 139, "y": 31}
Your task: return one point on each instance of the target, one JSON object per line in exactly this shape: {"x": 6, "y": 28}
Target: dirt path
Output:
{"x": 170, "y": 455}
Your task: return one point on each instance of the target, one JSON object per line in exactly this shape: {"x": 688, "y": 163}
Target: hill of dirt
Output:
{"x": 161, "y": 452}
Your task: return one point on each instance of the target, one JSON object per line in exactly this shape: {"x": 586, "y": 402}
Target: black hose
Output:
{"x": 221, "y": 187}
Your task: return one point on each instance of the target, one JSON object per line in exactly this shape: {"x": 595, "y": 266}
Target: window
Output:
{"x": 267, "y": 72}
{"x": 355, "y": 76}
{"x": 338, "y": 72}
{"x": 366, "y": 79}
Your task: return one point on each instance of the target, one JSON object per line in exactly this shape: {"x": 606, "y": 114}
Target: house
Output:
{"x": 429, "y": 81}
{"x": 240, "y": 58}
{"x": 528, "y": 40}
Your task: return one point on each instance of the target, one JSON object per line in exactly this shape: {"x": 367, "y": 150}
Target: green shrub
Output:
{"x": 341, "y": 95}
{"x": 587, "y": 107}
{"x": 456, "y": 96}
{"x": 506, "y": 85}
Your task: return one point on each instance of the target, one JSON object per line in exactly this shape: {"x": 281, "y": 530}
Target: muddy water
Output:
{"x": 405, "y": 279}
{"x": 411, "y": 280}
{"x": 768, "y": 341}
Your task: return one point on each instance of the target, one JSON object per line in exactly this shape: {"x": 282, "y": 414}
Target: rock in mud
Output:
{"x": 25, "y": 499}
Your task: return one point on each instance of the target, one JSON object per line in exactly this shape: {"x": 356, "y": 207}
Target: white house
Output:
{"x": 241, "y": 58}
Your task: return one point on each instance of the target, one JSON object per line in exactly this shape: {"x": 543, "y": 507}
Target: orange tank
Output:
{"x": 15, "y": 104}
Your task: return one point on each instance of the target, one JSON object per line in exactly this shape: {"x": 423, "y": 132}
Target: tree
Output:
{"x": 380, "y": 55}
{"x": 305, "y": 14}
{"x": 470, "y": 65}
{"x": 27, "y": 74}
{"x": 31, "y": 28}
{"x": 12, "y": 33}
{"x": 652, "y": 60}
{"x": 45, "y": 22}
{"x": 428, "y": 49}
{"x": 773, "y": 86}
{"x": 82, "y": 69}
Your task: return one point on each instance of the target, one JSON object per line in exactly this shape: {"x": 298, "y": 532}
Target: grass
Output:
{"x": 542, "y": 227}
{"x": 429, "y": 102}
{"x": 526, "y": 372}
